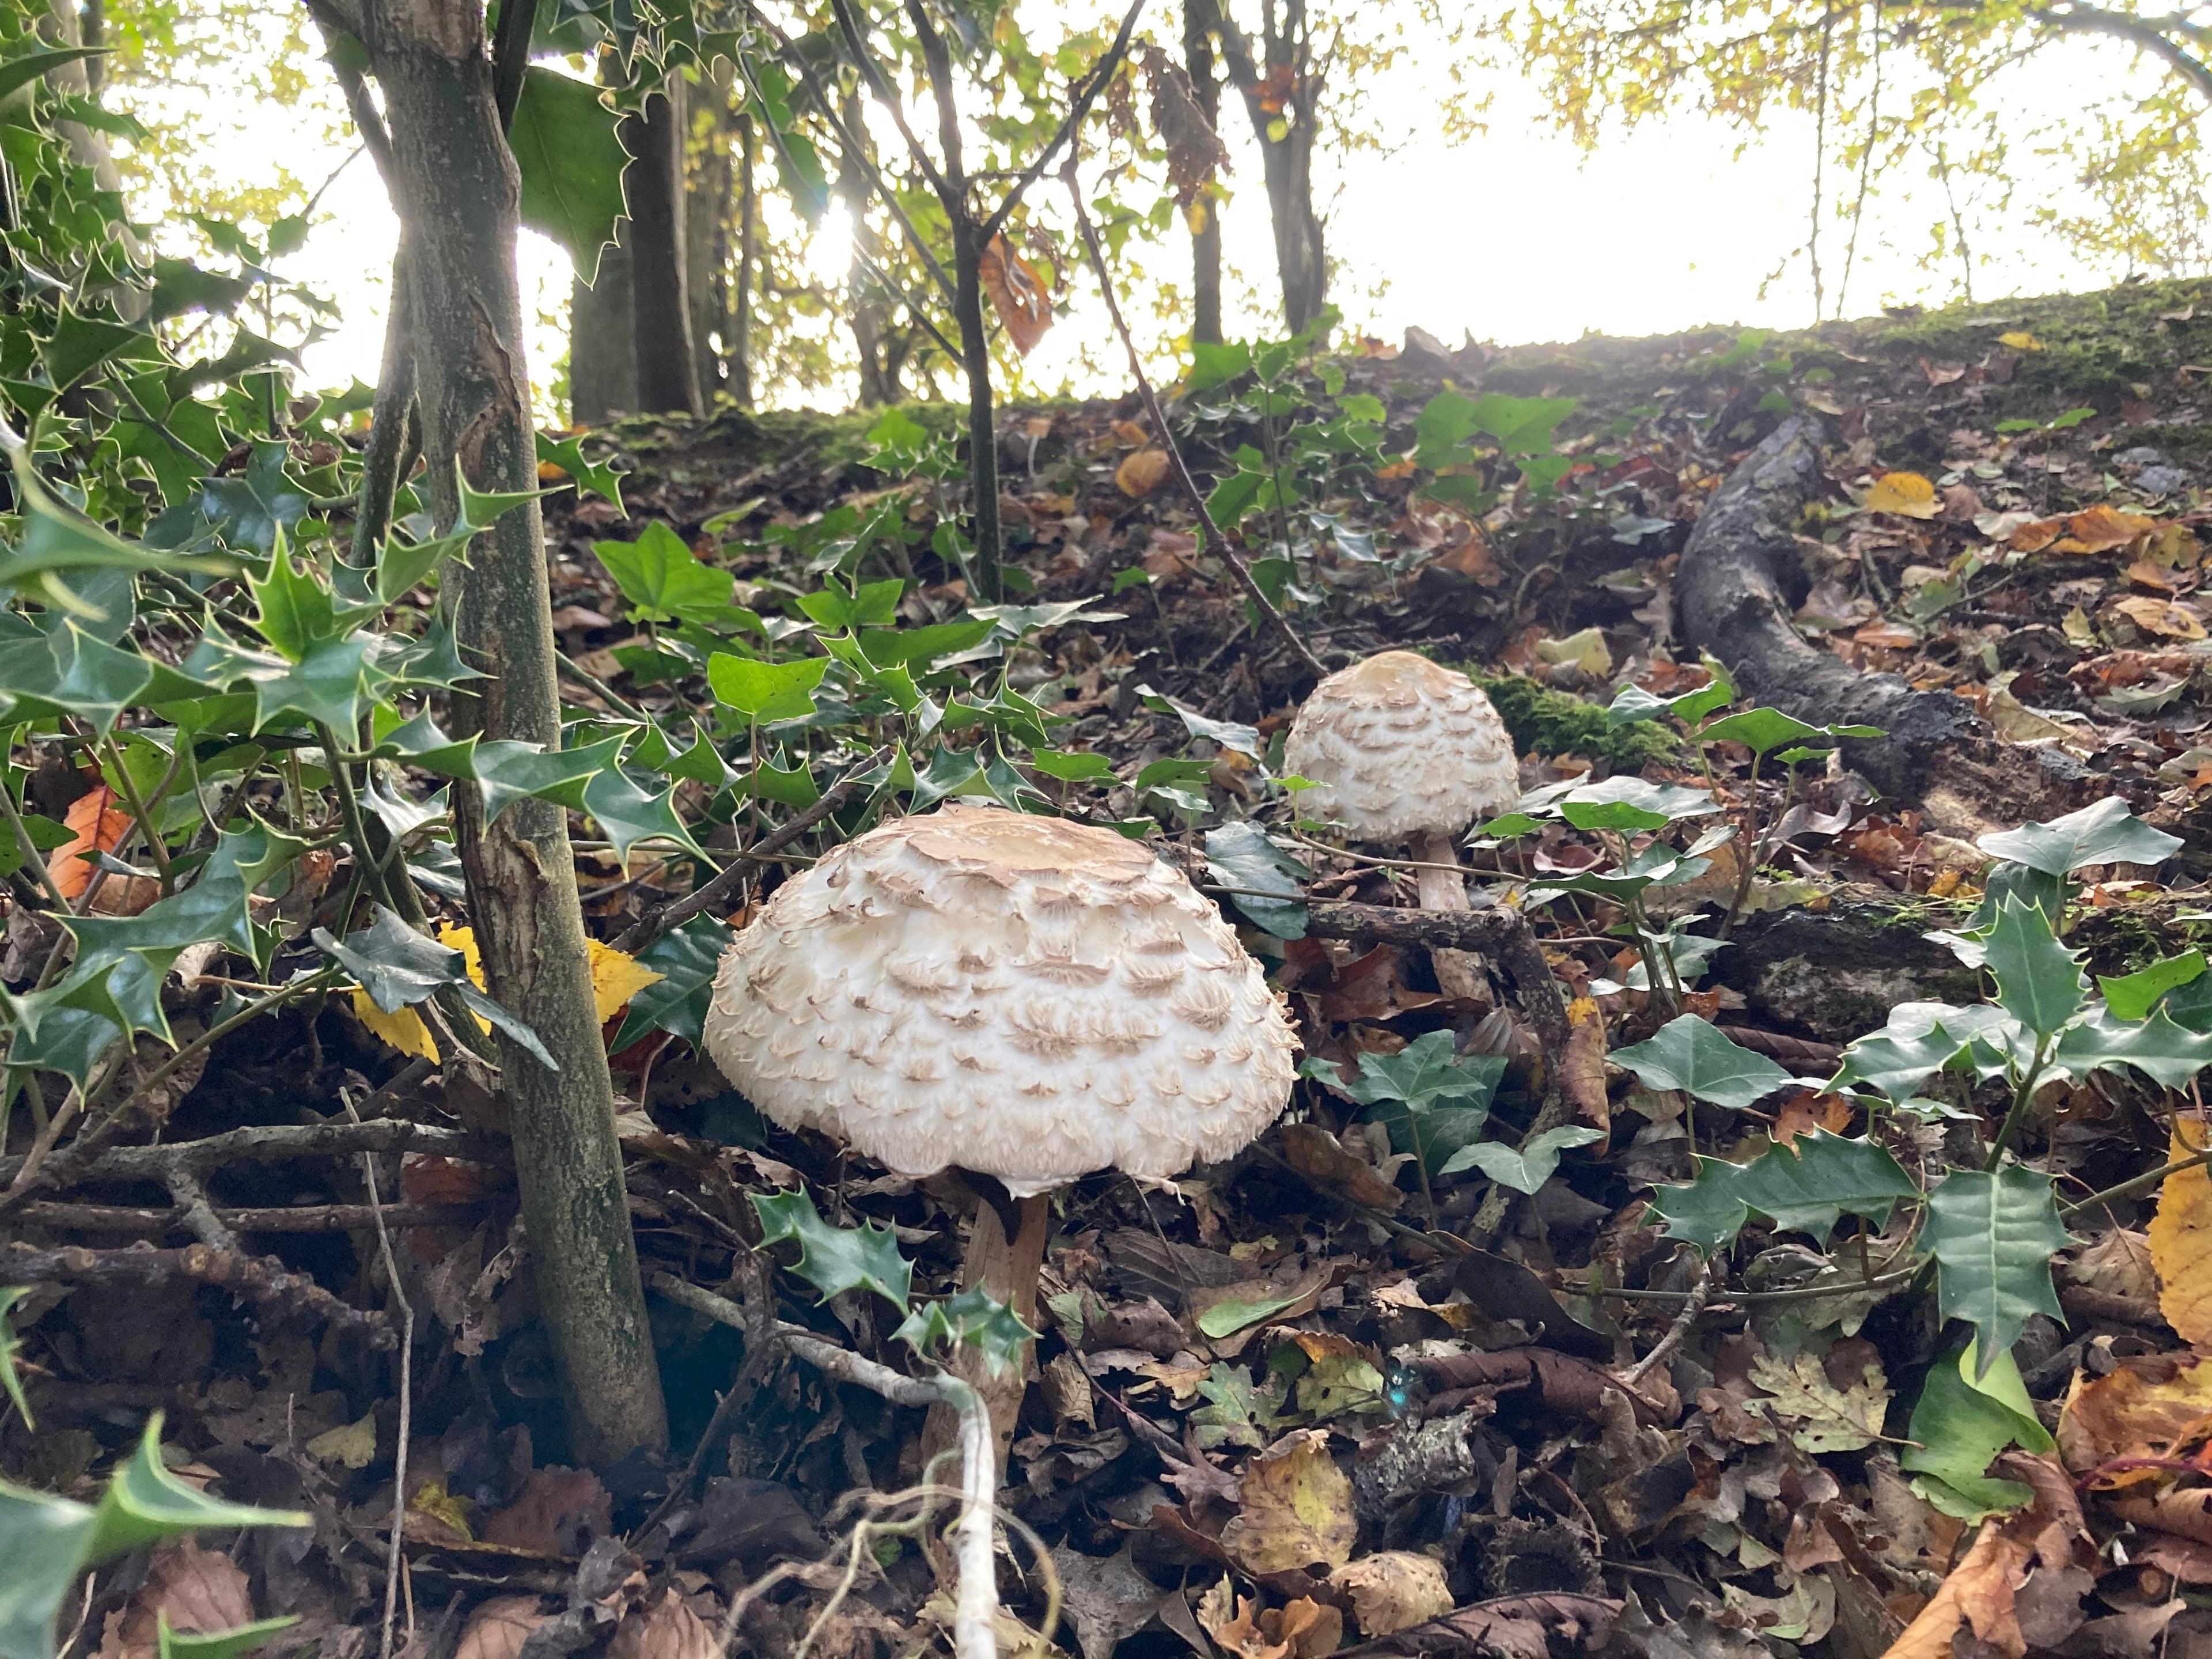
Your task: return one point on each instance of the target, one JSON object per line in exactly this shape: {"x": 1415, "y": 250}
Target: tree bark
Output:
{"x": 456, "y": 192}
{"x": 668, "y": 377}
{"x": 1287, "y": 78}
{"x": 869, "y": 304}
{"x": 1199, "y": 19}
{"x": 709, "y": 197}
{"x": 603, "y": 340}
{"x": 983, "y": 431}
{"x": 737, "y": 350}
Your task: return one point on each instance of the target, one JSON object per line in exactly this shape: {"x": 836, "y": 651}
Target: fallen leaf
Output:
{"x": 353, "y": 1444}
{"x": 1585, "y": 650}
{"x": 2035, "y": 535}
{"x": 2020, "y": 339}
{"x": 1816, "y": 1414}
{"x": 1905, "y": 494}
{"x": 2101, "y": 529}
{"x": 1319, "y": 1156}
{"x": 100, "y": 827}
{"x": 498, "y": 1629}
{"x": 1886, "y": 636}
{"x": 1141, "y": 473}
{"x": 1297, "y": 1508}
{"x": 1016, "y": 295}
{"x": 2161, "y": 617}
{"x": 557, "y": 1513}
{"x": 2181, "y": 1244}
{"x": 403, "y": 1028}
{"x": 200, "y": 1592}
{"x": 2146, "y": 1407}
{"x": 1394, "y": 1589}
{"x": 666, "y": 1630}
{"x": 616, "y": 978}
{"x": 1806, "y": 1111}
{"x": 1979, "y": 1593}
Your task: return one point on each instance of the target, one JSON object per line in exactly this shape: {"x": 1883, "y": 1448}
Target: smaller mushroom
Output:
{"x": 1405, "y": 750}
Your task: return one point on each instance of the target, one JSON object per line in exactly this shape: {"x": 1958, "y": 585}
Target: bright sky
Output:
{"x": 1516, "y": 236}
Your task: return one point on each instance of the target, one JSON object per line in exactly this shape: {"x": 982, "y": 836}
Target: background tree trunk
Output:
{"x": 1199, "y": 19}
{"x": 456, "y": 191}
{"x": 603, "y": 340}
{"x": 667, "y": 375}
{"x": 709, "y": 203}
{"x": 867, "y": 302}
{"x": 1286, "y": 79}
{"x": 738, "y": 349}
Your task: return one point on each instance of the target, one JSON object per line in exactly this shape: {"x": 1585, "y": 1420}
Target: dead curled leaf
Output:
{"x": 1394, "y": 1589}
{"x": 498, "y": 1629}
{"x": 1016, "y": 294}
{"x": 666, "y": 1630}
{"x": 1303, "y": 1629}
{"x": 1141, "y": 473}
{"x": 199, "y": 1591}
{"x": 1558, "y": 1622}
{"x": 2145, "y": 1407}
{"x": 1297, "y": 1508}
{"x": 557, "y": 1512}
{"x": 1978, "y": 1594}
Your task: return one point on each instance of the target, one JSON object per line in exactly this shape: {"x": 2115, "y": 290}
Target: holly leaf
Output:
{"x": 564, "y": 136}
{"x": 1921, "y": 1039}
{"x": 567, "y": 454}
{"x": 2167, "y": 1053}
{"x": 1709, "y": 1211}
{"x": 1688, "y": 1054}
{"x": 627, "y": 814}
{"x": 1994, "y": 1232}
{"x": 1529, "y": 1168}
{"x": 2104, "y": 832}
{"x": 397, "y": 966}
{"x": 1809, "y": 1186}
{"x": 508, "y": 771}
{"x": 974, "y": 1318}
{"x": 2039, "y": 980}
{"x": 834, "y": 1259}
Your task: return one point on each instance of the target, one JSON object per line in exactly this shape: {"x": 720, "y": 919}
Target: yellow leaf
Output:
{"x": 2020, "y": 340}
{"x": 353, "y": 1445}
{"x": 2161, "y": 617}
{"x": 1296, "y": 1509}
{"x": 404, "y": 1031}
{"x": 1907, "y": 494}
{"x": 616, "y": 979}
{"x": 2181, "y": 1245}
{"x": 1140, "y": 474}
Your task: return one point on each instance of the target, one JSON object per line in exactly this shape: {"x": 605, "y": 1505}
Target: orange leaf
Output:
{"x": 2181, "y": 1245}
{"x": 2161, "y": 617}
{"x": 100, "y": 827}
{"x": 1019, "y": 298}
{"x": 2101, "y": 529}
{"x": 1140, "y": 474}
{"x": 2035, "y": 536}
{"x": 2148, "y": 1407}
{"x": 1978, "y": 1592}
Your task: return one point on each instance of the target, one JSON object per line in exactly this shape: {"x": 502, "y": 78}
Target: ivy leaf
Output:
{"x": 687, "y": 959}
{"x": 1241, "y": 855}
{"x": 1424, "y": 1074}
{"x": 763, "y": 691}
{"x": 665, "y": 580}
{"x": 564, "y": 136}
{"x": 834, "y": 1259}
{"x": 2104, "y": 832}
{"x": 1688, "y": 1054}
{"x": 2167, "y": 1053}
{"x": 10, "y": 1381}
{"x": 1529, "y": 1168}
{"x": 567, "y": 454}
{"x": 1759, "y": 730}
{"x": 973, "y": 1317}
{"x": 1993, "y": 1233}
{"x": 1632, "y": 803}
{"x": 2132, "y": 996}
{"x": 1073, "y": 766}
{"x": 2039, "y": 980}
{"x": 1960, "y": 1424}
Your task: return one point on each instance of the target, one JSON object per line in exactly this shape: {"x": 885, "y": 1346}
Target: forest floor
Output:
{"x": 1320, "y": 1398}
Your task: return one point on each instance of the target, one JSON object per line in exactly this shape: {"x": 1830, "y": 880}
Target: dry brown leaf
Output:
{"x": 2145, "y": 1408}
{"x": 101, "y": 826}
{"x": 1319, "y": 1156}
{"x": 2161, "y": 617}
{"x": 2181, "y": 1245}
{"x": 2101, "y": 529}
{"x": 1141, "y": 473}
{"x": 1016, "y": 294}
{"x": 1806, "y": 1111}
{"x": 1978, "y": 1594}
{"x": 1581, "y": 1066}
{"x": 1297, "y": 1508}
{"x": 199, "y": 1591}
{"x": 2035, "y": 535}
{"x": 1195, "y": 152}
{"x": 498, "y": 1629}
{"x": 2186, "y": 1514}
{"x": 666, "y": 1630}
{"x": 1394, "y": 1589}
{"x": 557, "y": 1512}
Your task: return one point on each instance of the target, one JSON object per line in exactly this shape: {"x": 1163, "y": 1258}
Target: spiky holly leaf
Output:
{"x": 2039, "y": 980}
{"x": 1921, "y": 1039}
{"x": 1688, "y": 1054}
{"x": 10, "y": 1381}
{"x": 567, "y": 454}
{"x": 2104, "y": 832}
{"x": 687, "y": 959}
{"x": 2167, "y": 1053}
{"x": 1806, "y": 1187}
{"x": 834, "y": 1259}
{"x": 973, "y": 1317}
{"x": 1994, "y": 1232}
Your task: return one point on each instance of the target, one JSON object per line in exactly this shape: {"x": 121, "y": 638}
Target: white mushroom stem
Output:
{"x": 1459, "y": 972}
{"x": 975, "y": 1610}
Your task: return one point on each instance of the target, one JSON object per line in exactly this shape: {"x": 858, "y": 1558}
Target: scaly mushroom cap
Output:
{"x": 1399, "y": 744}
{"x": 1022, "y": 996}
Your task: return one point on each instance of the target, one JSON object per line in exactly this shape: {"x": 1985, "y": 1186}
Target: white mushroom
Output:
{"x": 1405, "y": 749}
{"x": 1019, "y": 996}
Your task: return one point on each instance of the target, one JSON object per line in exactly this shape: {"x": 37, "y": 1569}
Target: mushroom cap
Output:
{"x": 1022, "y": 996}
{"x": 1399, "y": 744}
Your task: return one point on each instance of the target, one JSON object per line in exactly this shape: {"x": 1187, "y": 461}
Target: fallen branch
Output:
{"x": 262, "y": 1281}
{"x": 266, "y": 1219}
{"x": 276, "y": 1144}
{"x": 1502, "y": 935}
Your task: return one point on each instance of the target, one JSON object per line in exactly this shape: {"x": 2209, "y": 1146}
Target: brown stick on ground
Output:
{"x": 256, "y": 1278}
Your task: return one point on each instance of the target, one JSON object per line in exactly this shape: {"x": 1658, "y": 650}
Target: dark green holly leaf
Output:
{"x": 627, "y": 814}
{"x": 397, "y": 966}
{"x": 973, "y": 1317}
{"x": 568, "y": 453}
{"x": 56, "y": 540}
{"x": 564, "y": 136}
{"x": 2039, "y": 980}
{"x": 926, "y": 647}
{"x": 503, "y": 1019}
{"x": 1709, "y": 1212}
{"x": 482, "y": 508}
{"x": 2132, "y": 996}
{"x": 1808, "y": 1186}
{"x": 80, "y": 344}
{"x": 1994, "y": 1234}
{"x": 1921, "y": 1039}
{"x": 2167, "y": 1053}
{"x": 834, "y": 1259}
{"x": 327, "y": 684}
{"x": 294, "y": 611}
{"x": 400, "y": 565}
{"x": 1688, "y": 1054}
{"x": 687, "y": 959}
{"x": 1241, "y": 855}
{"x": 420, "y": 742}
{"x": 2104, "y": 832}
{"x": 509, "y": 772}
{"x": 1529, "y": 1168}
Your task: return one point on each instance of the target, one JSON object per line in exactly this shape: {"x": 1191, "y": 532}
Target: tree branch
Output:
{"x": 856, "y": 42}
{"x": 510, "y": 56}
{"x": 1080, "y": 106}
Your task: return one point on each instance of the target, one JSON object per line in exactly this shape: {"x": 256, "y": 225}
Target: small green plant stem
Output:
{"x": 1754, "y": 851}
{"x": 356, "y": 827}
{"x": 31, "y": 856}
{"x": 573, "y": 671}
{"x": 2142, "y": 1183}
{"x": 2021, "y": 1095}
{"x": 1420, "y": 1162}
{"x": 146, "y": 827}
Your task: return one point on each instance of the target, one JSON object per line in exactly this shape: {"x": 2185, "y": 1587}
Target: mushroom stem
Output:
{"x": 1006, "y": 1255}
{"x": 1459, "y": 972}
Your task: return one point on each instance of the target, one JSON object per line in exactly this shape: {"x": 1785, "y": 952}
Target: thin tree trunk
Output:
{"x": 1200, "y": 19}
{"x": 603, "y": 338}
{"x": 667, "y": 380}
{"x": 739, "y": 348}
{"x": 92, "y": 26}
{"x": 457, "y": 190}
{"x": 864, "y": 294}
{"x": 1301, "y": 259}
{"x": 708, "y": 204}
{"x": 983, "y": 432}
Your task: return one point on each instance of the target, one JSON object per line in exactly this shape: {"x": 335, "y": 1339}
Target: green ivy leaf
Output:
{"x": 1242, "y": 856}
{"x": 665, "y": 581}
{"x": 764, "y": 691}
{"x": 1759, "y": 730}
{"x": 1993, "y": 1233}
{"x": 564, "y": 136}
{"x": 2039, "y": 980}
{"x": 1630, "y": 803}
{"x": 834, "y": 1259}
{"x": 1688, "y": 1054}
{"x": 1529, "y": 1168}
{"x": 974, "y": 1318}
{"x": 2104, "y": 832}
{"x": 2132, "y": 996}
{"x": 1073, "y": 767}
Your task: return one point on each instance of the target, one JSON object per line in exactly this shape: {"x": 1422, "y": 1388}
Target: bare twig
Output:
{"x": 260, "y": 1279}
{"x": 267, "y": 1219}
{"x": 274, "y": 1144}
{"x": 394, "y": 1554}
{"x": 1210, "y": 533}
{"x": 1078, "y": 107}
{"x": 1679, "y": 1331}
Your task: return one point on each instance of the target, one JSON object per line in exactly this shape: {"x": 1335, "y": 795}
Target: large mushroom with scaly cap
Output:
{"x": 1405, "y": 750}
{"x": 1018, "y": 996}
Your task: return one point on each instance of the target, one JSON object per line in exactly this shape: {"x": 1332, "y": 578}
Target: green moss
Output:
{"x": 1547, "y": 722}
